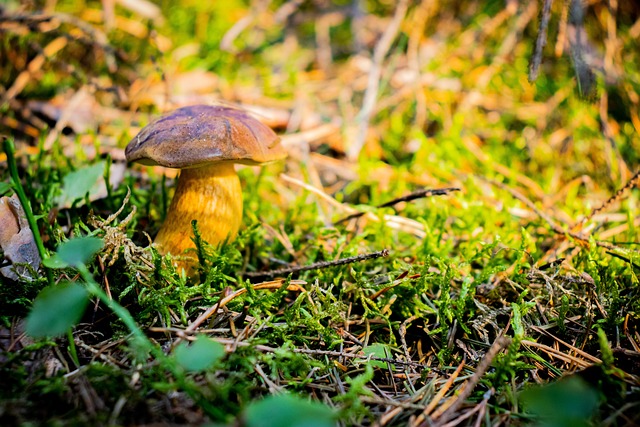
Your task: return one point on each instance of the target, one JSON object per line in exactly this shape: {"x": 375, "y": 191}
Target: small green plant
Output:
{"x": 288, "y": 411}
{"x": 569, "y": 402}
{"x": 9, "y": 150}
{"x": 200, "y": 355}
{"x": 56, "y": 309}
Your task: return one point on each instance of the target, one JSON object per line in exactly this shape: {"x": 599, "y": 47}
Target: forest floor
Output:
{"x": 451, "y": 240}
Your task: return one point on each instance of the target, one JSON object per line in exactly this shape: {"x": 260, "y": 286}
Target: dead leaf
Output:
{"x": 17, "y": 242}
{"x": 145, "y": 9}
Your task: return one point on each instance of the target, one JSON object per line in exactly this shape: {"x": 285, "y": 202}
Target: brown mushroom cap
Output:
{"x": 202, "y": 134}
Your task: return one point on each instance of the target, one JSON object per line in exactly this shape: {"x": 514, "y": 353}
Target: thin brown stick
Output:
{"x": 403, "y": 332}
{"x": 319, "y": 265}
{"x": 630, "y": 185}
{"x": 389, "y": 402}
{"x": 407, "y": 198}
{"x": 357, "y": 356}
{"x": 189, "y": 335}
{"x": 273, "y": 387}
{"x": 582, "y": 240}
{"x": 541, "y": 40}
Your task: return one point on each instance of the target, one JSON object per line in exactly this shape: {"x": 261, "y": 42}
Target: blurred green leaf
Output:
{"x": 202, "y": 354}
{"x": 570, "y": 402}
{"x": 74, "y": 252}
{"x": 4, "y": 188}
{"x": 54, "y": 261}
{"x": 288, "y": 411}
{"x": 379, "y": 350}
{"x": 77, "y": 184}
{"x": 605, "y": 349}
{"x": 56, "y": 309}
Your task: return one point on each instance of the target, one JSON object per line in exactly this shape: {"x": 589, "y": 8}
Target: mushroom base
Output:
{"x": 212, "y": 195}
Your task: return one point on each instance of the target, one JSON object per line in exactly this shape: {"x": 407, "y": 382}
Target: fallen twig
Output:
{"x": 541, "y": 41}
{"x": 630, "y": 185}
{"x": 319, "y": 265}
{"x": 190, "y": 335}
{"x": 407, "y": 198}
{"x": 582, "y": 240}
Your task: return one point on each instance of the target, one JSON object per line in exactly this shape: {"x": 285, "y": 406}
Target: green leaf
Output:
{"x": 56, "y": 309}
{"x": 288, "y": 411}
{"x": 570, "y": 401}
{"x": 605, "y": 349}
{"x": 54, "y": 261}
{"x": 4, "y": 188}
{"x": 76, "y": 251}
{"x": 200, "y": 355}
{"x": 77, "y": 184}
{"x": 378, "y": 350}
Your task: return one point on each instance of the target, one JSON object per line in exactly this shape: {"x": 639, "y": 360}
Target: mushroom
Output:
{"x": 204, "y": 142}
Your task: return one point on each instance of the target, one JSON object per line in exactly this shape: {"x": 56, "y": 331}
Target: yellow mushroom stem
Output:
{"x": 212, "y": 195}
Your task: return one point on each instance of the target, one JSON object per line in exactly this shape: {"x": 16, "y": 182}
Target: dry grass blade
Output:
{"x": 506, "y": 48}
{"x": 318, "y": 192}
{"x": 310, "y": 136}
{"x": 33, "y": 68}
{"x": 357, "y": 356}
